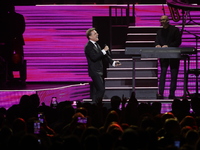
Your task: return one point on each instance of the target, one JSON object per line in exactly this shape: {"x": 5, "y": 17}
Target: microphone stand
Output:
{"x": 190, "y": 19}
{"x": 163, "y": 9}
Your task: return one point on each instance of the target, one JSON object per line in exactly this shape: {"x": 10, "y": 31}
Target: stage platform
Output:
{"x": 166, "y": 103}
{"x": 55, "y": 39}
{"x": 63, "y": 91}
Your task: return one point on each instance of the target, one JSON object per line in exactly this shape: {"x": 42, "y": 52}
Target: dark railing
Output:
{"x": 195, "y": 71}
{"x": 120, "y": 15}
{"x": 119, "y": 12}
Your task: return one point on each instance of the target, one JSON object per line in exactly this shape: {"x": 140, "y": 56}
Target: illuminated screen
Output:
{"x": 55, "y": 40}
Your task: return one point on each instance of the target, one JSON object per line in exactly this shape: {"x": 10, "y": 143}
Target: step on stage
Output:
{"x": 63, "y": 91}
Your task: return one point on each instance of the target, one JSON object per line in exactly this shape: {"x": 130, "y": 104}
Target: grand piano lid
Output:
{"x": 183, "y": 5}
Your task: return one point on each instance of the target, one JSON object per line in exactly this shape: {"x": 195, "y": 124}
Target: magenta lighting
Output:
{"x": 55, "y": 39}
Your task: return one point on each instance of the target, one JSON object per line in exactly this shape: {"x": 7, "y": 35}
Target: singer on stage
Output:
{"x": 95, "y": 55}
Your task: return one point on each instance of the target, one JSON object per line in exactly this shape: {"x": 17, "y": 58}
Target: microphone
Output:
{"x": 108, "y": 51}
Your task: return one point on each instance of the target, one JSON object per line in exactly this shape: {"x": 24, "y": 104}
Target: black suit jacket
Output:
{"x": 170, "y": 36}
{"x": 17, "y": 27}
{"x": 95, "y": 59}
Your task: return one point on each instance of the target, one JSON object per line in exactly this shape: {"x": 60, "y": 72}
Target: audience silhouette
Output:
{"x": 126, "y": 125}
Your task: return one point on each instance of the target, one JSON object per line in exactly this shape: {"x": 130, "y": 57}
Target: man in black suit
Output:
{"x": 17, "y": 28}
{"x": 168, "y": 36}
{"x": 12, "y": 27}
{"x": 5, "y": 42}
{"x": 95, "y": 56}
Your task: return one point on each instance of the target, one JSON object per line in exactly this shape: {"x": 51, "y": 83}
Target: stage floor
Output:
{"x": 63, "y": 91}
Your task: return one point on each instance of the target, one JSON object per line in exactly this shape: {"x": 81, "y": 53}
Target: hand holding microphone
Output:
{"x": 106, "y": 48}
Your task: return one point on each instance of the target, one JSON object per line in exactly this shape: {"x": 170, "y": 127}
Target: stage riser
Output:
{"x": 142, "y": 44}
{"x": 118, "y": 82}
{"x": 129, "y": 73}
{"x": 141, "y": 38}
{"x": 165, "y": 105}
{"x": 140, "y": 94}
{"x": 146, "y": 73}
{"x": 146, "y": 94}
{"x": 121, "y": 73}
{"x": 145, "y": 29}
{"x": 146, "y": 63}
{"x": 120, "y": 92}
{"x": 128, "y": 83}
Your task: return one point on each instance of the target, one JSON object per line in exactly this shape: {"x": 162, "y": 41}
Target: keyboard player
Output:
{"x": 168, "y": 36}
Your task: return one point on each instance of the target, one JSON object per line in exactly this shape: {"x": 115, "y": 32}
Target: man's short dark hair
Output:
{"x": 88, "y": 32}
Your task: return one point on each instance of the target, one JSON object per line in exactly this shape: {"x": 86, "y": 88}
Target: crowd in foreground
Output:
{"x": 126, "y": 125}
